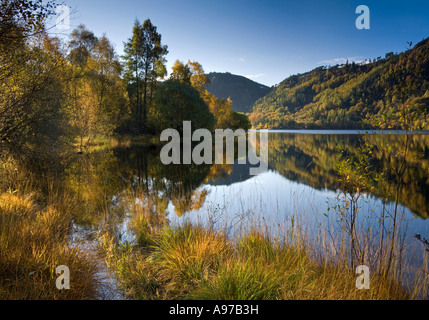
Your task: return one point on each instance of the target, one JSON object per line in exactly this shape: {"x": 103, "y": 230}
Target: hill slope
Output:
{"x": 242, "y": 91}
{"x": 344, "y": 96}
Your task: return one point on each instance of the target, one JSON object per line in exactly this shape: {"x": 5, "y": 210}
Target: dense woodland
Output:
{"x": 390, "y": 92}
{"x": 56, "y": 93}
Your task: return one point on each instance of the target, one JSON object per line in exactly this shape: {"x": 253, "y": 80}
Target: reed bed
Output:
{"x": 34, "y": 241}
{"x": 195, "y": 261}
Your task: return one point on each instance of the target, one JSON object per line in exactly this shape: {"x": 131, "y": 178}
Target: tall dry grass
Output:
{"x": 196, "y": 262}
{"x": 34, "y": 241}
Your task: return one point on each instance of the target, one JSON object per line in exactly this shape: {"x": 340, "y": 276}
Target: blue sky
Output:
{"x": 266, "y": 41}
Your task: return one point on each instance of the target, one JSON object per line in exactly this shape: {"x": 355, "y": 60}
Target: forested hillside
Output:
{"x": 390, "y": 92}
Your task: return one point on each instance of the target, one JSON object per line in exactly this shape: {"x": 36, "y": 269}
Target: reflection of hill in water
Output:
{"x": 312, "y": 160}
{"x": 239, "y": 173}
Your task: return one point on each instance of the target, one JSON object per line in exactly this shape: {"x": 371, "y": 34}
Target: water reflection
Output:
{"x": 312, "y": 160}
{"x": 117, "y": 186}
{"x": 102, "y": 180}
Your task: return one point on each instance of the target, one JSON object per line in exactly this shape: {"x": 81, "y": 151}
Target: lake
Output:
{"x": 299, "y": 196}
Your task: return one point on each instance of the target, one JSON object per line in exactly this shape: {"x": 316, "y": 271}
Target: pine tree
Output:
{"x": 144, "y": 57}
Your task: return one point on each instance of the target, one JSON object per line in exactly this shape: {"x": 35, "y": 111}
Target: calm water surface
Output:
{"x": 301, "y": 187}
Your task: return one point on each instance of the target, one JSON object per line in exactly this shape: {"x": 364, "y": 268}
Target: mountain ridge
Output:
{"x": 242, "y": 91}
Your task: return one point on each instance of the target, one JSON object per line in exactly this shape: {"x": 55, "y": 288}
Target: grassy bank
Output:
{"x": 192, "y": 262}
{"x": 187, "y": 262}
{"x": 34, "y": 241}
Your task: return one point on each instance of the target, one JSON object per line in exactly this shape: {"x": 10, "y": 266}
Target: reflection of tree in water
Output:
{"x": 94, "y": 180}
{"x": 109, "y": 181}
{"x": 312, "y": 160}
{"x": 159, "y": 184}
{"x": 101, "y": 178}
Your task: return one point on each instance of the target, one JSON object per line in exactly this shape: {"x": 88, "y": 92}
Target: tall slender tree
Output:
{"x": 144, "y": 63}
